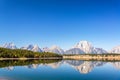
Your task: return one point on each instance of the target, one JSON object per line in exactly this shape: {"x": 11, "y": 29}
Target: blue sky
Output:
{"x": 60, "y": 22}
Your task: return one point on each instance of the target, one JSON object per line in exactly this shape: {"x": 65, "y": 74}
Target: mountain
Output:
{"x": 99, "y": 50}
{"x": 82, "y": 47}
{"x": 56, "y": 49}
{"x": 74, "y": 51}
{"x": 9, "y": 46}
{"x": 34, "y": 48}
{"x": 115, "y": 50}
{"x": 85, "y": 46}
{"x": 28, "y": 47}
{"x": 45, "y": 49}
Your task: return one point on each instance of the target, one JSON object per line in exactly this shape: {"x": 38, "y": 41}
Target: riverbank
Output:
{"x": 51, "y": 58}
{"x": 110, "y": 57}
{"x": 97, "y": 57}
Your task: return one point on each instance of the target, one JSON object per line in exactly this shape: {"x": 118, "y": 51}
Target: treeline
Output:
{"x": 19, "y": 53}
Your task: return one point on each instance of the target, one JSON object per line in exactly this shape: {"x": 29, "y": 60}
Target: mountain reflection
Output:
{"x": 83, "y": 67}
{"x": 32, "y": 66}
{"x": 116, "y": 65}
{"x": 9, "y": 68}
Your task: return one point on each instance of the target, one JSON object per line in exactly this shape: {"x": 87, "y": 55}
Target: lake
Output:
{"x": 59, "y": 70}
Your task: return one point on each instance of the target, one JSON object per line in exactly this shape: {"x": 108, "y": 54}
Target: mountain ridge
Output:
{"x": 82, "y": 47}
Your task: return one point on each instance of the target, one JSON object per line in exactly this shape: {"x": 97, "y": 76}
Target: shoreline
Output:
{"x": 97, "y": 57}
{"x": 51, "y": 58}
{"x": 93, "y": 57}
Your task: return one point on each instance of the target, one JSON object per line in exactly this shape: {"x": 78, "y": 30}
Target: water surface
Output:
{"x": 59, "y": 70}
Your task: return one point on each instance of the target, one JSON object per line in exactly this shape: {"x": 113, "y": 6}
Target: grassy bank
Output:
{"x": 103, "y": 57}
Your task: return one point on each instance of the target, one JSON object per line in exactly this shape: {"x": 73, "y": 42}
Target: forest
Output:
{"x": 19, "y": 53}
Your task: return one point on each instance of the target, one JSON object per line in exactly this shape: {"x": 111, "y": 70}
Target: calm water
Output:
{"x": 60, "y": 70}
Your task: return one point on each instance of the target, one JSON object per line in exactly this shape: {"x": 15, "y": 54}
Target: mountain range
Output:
{"x": 82, "y": 47}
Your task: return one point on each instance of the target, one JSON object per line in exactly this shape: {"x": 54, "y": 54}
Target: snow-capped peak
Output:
{"x": 85, "y": 46}
{"x": 9, "y": 45}
{"x": 36, "y": 46}
{"x": 99, "y": 51}
{"x": 28, "y": 47}
{"x": 56, "y": 49}
{"x": 115, "y": 49}
{"x": 45, "y": 49}
{"x": 36, "y": 49}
